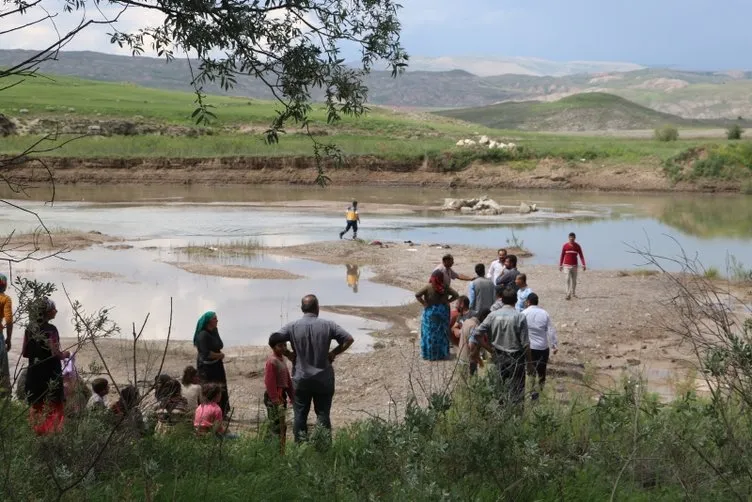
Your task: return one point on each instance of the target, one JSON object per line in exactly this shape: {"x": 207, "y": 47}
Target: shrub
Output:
{"x": 666, "y": 133}
{"x": 712, "y": 273}
{"x": 747, "y": 187}
{"x": 734, "y": 132}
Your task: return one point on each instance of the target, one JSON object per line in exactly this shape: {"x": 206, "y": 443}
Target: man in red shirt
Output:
{"x": 570, "y": 251}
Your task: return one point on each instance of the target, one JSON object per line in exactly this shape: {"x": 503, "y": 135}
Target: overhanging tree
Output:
{"x": 292, "y": 46}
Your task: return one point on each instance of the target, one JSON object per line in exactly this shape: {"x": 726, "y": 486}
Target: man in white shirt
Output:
{"x": 497, "y": 266}
{"x": 447, "y": 262}
{"x": 543, "y": 339}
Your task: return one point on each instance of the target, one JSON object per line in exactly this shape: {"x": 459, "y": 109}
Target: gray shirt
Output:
{"x": 506, "y": 329}
{"x": 310, "y": 338}
{"x": 484, "y": 294}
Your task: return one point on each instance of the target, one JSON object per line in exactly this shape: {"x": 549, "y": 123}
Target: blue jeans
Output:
{"x": 321, "y": 393}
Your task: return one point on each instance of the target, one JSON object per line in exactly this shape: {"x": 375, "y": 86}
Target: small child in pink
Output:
{"x": 208, "y": 417}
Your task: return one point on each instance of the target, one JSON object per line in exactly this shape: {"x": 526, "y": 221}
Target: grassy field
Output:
{"x": 71, "y": 98}
{"x": 388, "y": 134}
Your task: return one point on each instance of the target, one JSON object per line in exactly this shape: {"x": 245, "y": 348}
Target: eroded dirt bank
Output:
{"x": 364, "y": 170}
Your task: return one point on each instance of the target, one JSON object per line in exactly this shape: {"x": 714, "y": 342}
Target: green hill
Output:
{"x": 594, "y": 111}
{"x": 701, "y": 95}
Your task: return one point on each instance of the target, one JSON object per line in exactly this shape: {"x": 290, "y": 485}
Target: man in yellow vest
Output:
{"x": 353, "y": 218}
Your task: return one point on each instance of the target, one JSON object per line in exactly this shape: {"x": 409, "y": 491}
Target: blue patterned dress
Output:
{"x": 434, "y": 333}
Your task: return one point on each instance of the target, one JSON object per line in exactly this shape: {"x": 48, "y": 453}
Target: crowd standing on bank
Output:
{"x": 500, "y": 321}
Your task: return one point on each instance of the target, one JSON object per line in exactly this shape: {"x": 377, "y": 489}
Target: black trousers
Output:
{"x": 511, "y": 368}
{"x": 215, "y": 373}
{"x": 540, "y": 360}
{"x": 353, "y": 225}
{"x": 321, "y": 394}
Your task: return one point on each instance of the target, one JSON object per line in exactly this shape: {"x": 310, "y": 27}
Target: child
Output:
{"x": 100, "y": 388}
{"x": 126, "y": 410}
{"x": 191, "y": 388}
{"x": 278, "y": 388}
{"x": 208, "y": 417}
{"x": 171, "y": 409}
{"x": 352, "y": 218}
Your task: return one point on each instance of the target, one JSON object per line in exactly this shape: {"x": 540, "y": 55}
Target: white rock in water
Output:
{"x": 492, "y": 144}
{"x": 452, "y": 204}
{"x": 460, "y": 142}
{"x": 511, "y": 145}
{"x": 484, "y": 140}
{"x": 525, "y": 208}
{"x": 23, "y": 110}
{"x": 501, "y": 145}
{"x": 470, "y": 142}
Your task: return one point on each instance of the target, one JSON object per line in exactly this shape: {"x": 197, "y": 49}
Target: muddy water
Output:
{"x": 135, "y": 282}
{"x": 609, "y": 226}
{"x": 138, "y": 280}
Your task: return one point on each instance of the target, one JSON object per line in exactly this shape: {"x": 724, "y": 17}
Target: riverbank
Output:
{"x": 645, "y": 176}
{"x": 613, "y": 329}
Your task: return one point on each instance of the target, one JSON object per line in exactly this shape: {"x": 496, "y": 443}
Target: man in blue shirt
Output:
{"x": 523, "y": 291}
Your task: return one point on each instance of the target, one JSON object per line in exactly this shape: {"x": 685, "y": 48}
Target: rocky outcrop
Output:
{"x": 104, "y": 127}
{"x": 483, "y": 206}
{"x": 527, "y": 208}
{"x": 7, "y": 127}
{"x": 486, "y": 142}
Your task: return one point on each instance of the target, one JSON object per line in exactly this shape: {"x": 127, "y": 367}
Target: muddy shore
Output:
{"x": 611, "y": 330}
{"x": 365, "y": 170}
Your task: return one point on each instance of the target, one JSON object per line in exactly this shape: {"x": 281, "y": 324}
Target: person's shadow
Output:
{"x": 353, "y": 277}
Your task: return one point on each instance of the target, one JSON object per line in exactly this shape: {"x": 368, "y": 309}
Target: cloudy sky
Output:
{"x": 696, "y": 34}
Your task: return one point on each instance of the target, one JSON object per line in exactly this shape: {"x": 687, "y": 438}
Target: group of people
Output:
{"x": 201, "y": 397}
{"x": 500, "y": 315}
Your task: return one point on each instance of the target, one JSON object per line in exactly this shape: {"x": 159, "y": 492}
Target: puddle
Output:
{"x": 248, "y": 310}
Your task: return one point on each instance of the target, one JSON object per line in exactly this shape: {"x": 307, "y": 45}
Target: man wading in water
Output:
{"x": 353, "y": 218}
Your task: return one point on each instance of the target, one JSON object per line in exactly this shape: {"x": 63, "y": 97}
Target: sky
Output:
{"x": 691, "y": 34}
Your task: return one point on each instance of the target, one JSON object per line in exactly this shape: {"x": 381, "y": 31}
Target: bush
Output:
{"x": 734, "y": 132}
{"x": 666, "y": 133}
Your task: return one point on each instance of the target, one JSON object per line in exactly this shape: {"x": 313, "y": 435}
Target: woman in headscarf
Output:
{"x": 209, "y": 363}
{"x": 44, "y": 377}
{"x": 434, "y": 333}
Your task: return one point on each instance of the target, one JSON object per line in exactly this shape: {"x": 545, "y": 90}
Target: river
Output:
{"x": 157, "y": 220}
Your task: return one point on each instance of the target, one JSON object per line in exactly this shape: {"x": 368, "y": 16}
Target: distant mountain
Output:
{"x": 463, "y": 82}
{"x": 581, "y": 112}
{"x": 486, "y": 67}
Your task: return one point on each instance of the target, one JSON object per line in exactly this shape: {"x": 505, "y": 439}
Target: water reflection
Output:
{"x": 720, "y": 216}
{"x": 135, "y": 282}
{"x": 353, "y": 277}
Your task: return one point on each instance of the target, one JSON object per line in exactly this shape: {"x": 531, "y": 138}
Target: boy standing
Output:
{"x": 278, "y": 388}
{"x": 570, "y": 251}
{"x": 353, "y": 218}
